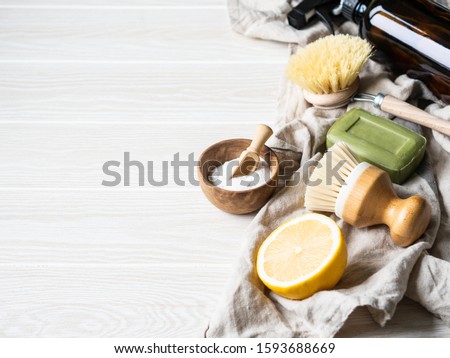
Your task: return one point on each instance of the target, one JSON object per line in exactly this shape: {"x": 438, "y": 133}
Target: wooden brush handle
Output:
{"x": 406, "y": 218}
{"x": 413, "y": 114}
{"x": 372, "y": 201}
{"x": 262, "y": 133}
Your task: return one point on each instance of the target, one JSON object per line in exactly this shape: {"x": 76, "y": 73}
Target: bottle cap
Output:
{"x": 354, "y": 10}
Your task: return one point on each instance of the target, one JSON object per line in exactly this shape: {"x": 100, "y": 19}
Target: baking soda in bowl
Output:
{"x": 221, "y": 176}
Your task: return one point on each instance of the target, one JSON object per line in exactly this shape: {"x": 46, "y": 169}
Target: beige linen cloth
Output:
{"x": 378, "y": 274}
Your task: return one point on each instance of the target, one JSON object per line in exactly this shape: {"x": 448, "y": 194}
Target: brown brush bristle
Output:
{"x": 329, "y": 64}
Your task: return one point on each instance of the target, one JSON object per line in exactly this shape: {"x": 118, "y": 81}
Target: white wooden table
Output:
{"x": 82, "y": 82}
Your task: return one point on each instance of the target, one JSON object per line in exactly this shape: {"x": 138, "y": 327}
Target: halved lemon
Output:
{"x": 303, "y": 256}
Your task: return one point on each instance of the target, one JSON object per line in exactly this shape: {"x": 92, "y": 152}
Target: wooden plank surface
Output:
{"x": 146, "y": 35}
{"x": 117, "y": 227}
{"x": 65, "y": 4}
{"x": 161, "y": 92}
{"x": 107, "y": 301}
{"x": 71, "y": 156}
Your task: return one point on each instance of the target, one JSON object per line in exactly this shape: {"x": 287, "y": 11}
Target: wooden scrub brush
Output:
{"x": 328, "y": 69}
{"x": 362, "y": 195}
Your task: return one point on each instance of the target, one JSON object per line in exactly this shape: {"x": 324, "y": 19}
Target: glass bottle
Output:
{"x": 414, "y": 33}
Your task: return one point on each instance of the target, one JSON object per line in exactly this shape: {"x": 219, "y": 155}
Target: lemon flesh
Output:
{"x": 302, "y": 256}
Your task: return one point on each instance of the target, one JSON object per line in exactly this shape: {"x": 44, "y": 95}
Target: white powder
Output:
{"x": 221, "y": 176}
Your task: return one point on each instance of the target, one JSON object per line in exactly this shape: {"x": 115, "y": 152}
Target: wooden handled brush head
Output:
{"x": 362, "y": 195}
{"x": 327, "y": 69}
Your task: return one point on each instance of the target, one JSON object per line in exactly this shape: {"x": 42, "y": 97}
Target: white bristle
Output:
{"x": 323, "y": 187}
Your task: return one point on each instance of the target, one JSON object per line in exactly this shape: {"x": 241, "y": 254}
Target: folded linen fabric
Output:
{"x": 378, "y": 273}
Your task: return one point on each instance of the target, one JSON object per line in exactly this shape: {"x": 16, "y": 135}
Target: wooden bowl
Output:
{"x": 235, "y": 202}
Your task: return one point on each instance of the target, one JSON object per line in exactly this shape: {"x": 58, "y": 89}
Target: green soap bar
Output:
{"x": 379, "y": 141}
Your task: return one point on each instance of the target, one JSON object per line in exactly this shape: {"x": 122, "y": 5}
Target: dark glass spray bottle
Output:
{"x": 414, "y": 33}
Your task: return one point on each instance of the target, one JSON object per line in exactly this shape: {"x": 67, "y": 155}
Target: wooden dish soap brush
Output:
{"x": 327, "y": 70}
{"x": 362, "y": 195}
